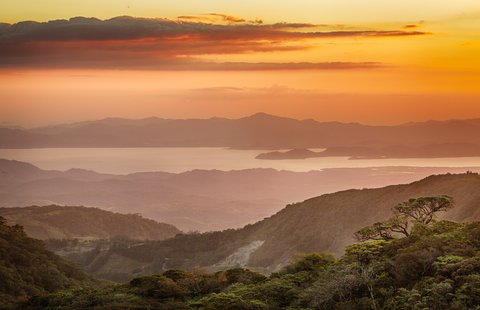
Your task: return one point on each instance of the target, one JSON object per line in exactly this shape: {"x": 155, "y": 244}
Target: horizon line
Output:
{"x": 257, "y": 114}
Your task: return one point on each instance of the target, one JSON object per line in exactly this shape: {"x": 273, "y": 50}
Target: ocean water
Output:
{"x": 129, "y": 160}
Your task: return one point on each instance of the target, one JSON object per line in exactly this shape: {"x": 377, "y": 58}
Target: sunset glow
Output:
{"x": 301, "y": 59}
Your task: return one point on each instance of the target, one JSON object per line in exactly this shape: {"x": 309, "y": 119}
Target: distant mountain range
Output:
{"x": 322, "y": 224}
{"x": 262, "y": 131}
{"x": 203, "y": 200}
{"x": 58, "y": 222}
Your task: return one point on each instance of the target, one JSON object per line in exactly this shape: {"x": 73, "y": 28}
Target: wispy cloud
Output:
{"x": 218, "y": 18}
{"x": 228, "y": 18}
{"x": 271, "y": 66}
{"x": 130, "y": 42}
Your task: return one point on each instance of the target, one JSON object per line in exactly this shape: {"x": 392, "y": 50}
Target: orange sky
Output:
{"x": 343, "y": 63}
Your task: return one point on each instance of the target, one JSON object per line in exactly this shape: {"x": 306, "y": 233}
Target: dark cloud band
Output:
{"x": 130, "y": 42}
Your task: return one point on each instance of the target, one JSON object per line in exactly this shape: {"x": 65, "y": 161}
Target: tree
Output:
{"x": 384, "y": 230}
{"x": 423, "y": 209}
{"x": 406, "y": 214}
{"x": 313, "y": 262}
{"x": 399, "y": 224}
{"x": 378, "y": 231}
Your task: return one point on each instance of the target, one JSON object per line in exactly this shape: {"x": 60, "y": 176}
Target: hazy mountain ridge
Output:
{"x": 257, "y": 131}
{"x": 59, "y": 222}
{"x": 322, "y": 224}
{"x": 202, "y": 200}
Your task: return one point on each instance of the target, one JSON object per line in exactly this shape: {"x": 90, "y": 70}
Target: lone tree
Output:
{"x": 406, "y": 214}
{"x": 423, "y": 209}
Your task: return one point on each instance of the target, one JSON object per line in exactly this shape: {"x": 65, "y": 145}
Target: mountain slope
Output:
{"x": 203, "y": 200}
{"x": 327, "y": 223}
{"x": 321, "y": 224}
{"x": 436, "y": 267}
{"x": 256, "y": 131}
{"x": 27, "y": 268}
{"x": 58, "y": 222}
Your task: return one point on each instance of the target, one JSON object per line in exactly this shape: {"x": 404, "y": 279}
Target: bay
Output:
{"x": 130, "y": 160}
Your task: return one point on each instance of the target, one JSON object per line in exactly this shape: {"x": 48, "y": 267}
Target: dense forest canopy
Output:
{"x": 435, "y": 266}
{"x": 27, "y": 268}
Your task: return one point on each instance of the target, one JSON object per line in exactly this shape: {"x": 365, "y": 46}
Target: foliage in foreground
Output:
{"x": 437, "y": 266}
{"x": 27, "y": 268}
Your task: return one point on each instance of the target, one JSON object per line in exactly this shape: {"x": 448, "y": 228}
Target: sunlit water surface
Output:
{"x": 128, "y": 160}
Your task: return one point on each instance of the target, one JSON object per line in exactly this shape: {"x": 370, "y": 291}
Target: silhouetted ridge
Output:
{"x": 259, "y": 130}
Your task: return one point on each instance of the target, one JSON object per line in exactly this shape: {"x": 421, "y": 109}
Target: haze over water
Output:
{"x": 130, "y": 160}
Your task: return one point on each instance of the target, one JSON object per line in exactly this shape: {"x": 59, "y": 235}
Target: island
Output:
{"x": 395, "y": 151}
{"x": 291, "y": 154}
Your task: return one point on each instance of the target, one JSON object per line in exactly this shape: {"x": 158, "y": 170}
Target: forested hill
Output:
{"x": 27, "y": 268}
{"x": 61, "y": 222}
{"x": 322, "y": 224}
{"x": 436, "y": 267}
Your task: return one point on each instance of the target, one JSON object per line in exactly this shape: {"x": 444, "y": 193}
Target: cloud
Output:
{"x": 131, "y": 28}
{"x": 215, "y": 18}
{"x": 273, "y": 89}
{"x": 228, "y": 18}
{"x": 218, "y": 89}
{"x": 271, "y": 66}
{"x": 130, "y": 42}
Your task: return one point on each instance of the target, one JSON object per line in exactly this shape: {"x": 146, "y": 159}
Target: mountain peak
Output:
{"x": 263, "y": 116}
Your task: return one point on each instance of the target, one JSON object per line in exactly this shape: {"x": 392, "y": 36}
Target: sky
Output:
{"x": 370, "y": 61}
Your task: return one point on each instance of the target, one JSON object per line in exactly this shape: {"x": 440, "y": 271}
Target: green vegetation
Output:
{"x": 322, "y": 224}
{"x": 27, "y": 268}
{"x": 436, "y": 265}
{"x": 406, "y": 214}
{"x": 69, "y": 222}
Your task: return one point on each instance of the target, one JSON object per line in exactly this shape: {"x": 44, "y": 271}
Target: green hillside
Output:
{"x": 436, "y": 267}
{"x": 60, "y": 222}
{"x": 27, "y": 268}
{"x": 323, "y": 224}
